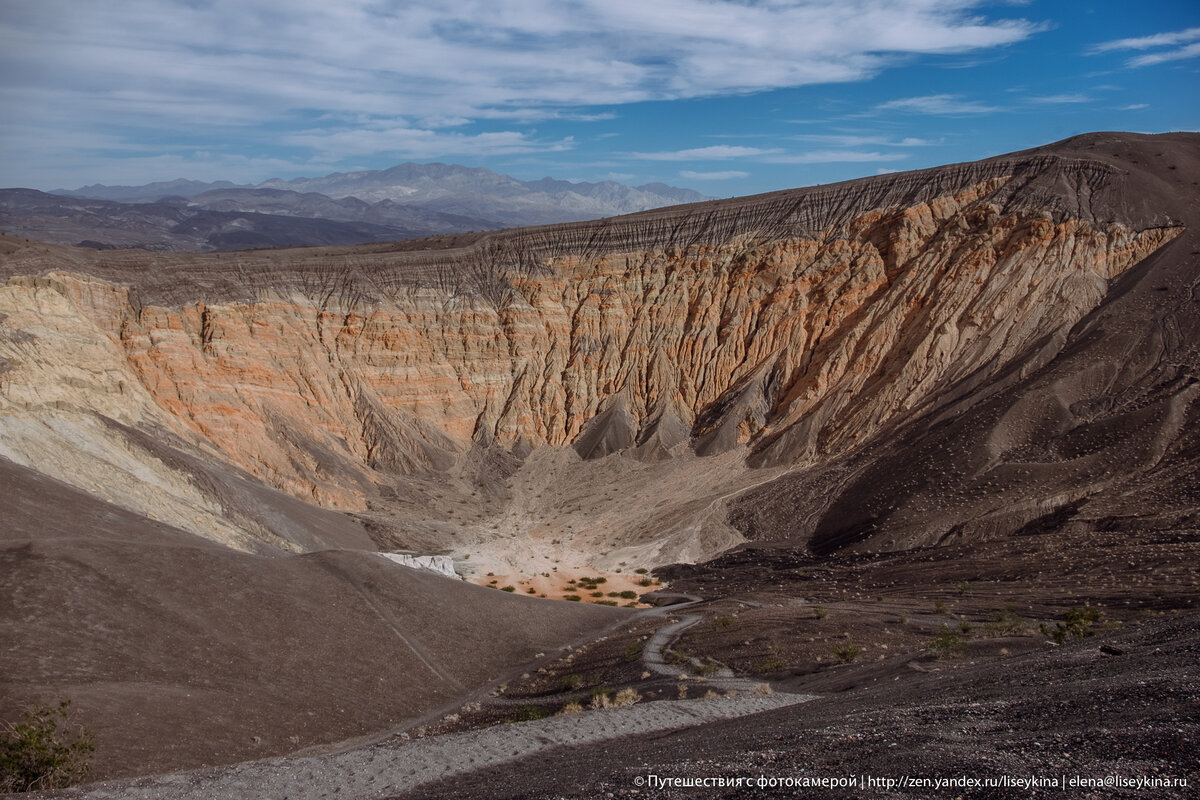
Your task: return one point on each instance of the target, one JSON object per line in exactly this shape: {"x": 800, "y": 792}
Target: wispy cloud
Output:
{"x": 943, "y": 104}
{"x": 1054, "y": 99}
{"x": 1149, "y": 42}
{"x": 271, "y": 69}
{"x": 719, "y": 152}
{"x": 1189, "y": 38}
{"x": 408, "y": 142}
{"x": 834, "y": 157}
{"x": 1191, "y": 51}
{"x": 856, "y": 140}
{"x": 712, "y": 176}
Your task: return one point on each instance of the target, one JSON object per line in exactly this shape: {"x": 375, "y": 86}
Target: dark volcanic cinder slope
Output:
{"x": 1093, "y": 423}
{"x": 1053, "y": 717}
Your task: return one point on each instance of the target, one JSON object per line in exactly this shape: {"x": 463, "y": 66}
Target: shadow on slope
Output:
{"x": 178, "y": 652}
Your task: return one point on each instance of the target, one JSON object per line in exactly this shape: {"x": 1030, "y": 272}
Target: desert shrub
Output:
{"x": 677, "y": 656}
{"x": 770, "y": 664}
{"x": 847, "y": 653}
{"x": 626, "y": 697}
{"x": 1006, "y": 622}
{"x": 762, "y": 688}
{"x": 531, "y": 590}
{"x": 1076, "y": 624}
{"x": 641, "y": 570}
{"x": 946, "y": 643}
{"x": 708, "y": 668}
{"x": 43, "y": 752}
{"x": 820, "y": 612}
{"x": 629, "y": 594}
{"x": 570, "y": 683}
{"x": 529, "y": 713}
{"x": 722, "y": 622}
{"x": 633, "y": 651}
{"x": 939, "y": 606}
{"x": 508, "y": 588}
{"x": 574, "y": 598}
{"x": 571, "y": 708}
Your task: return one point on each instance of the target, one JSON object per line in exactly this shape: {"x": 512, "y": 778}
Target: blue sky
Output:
{"x": 727, "y": 97}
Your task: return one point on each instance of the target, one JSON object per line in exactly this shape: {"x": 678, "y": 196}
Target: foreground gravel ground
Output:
{"x": 398, "y": 764}
{"x": 1130, "y": 710}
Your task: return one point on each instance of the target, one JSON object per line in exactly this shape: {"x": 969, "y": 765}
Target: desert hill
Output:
{"x": 876, "y": 389}
{"x": 404, "y": 202}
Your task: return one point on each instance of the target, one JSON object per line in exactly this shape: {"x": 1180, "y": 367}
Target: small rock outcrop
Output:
{"x": 442, "y": 565}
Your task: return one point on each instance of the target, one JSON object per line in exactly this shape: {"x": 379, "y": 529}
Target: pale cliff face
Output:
{"x": 793, "y": 345}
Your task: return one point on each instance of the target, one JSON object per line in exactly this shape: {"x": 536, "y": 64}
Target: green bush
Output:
{"x": 1077, "y": 623}
{"x": 42, "y": 752}
{"x": 530, "y": 713}
{"x": 770, "y": 664}
{"x": 947, "y": 643}
{"x": 1006, "y": 623}
{"x": 847, "y": 653}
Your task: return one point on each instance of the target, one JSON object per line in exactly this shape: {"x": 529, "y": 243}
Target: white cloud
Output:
{"x": 852, "y": 140}
{"x": 462, "y": 57}
{"x": 1149, "y": 42}
{"x": 1189, "y": 38}
{"x": 719, "y": 152}
{"x": 1054, "y": 99}
{"x": 409, "y": 142}
{"x": 1191, "y": 51}
{"x": 834, "y": 157}
{"x": 940, "y": 104}
{"x": 712, "y": 176}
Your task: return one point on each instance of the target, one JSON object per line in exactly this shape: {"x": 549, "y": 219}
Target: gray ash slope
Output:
{"x": 179, "y": 652}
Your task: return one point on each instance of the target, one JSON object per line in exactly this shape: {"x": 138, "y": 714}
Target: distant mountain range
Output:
{"x": 403, "y": 202}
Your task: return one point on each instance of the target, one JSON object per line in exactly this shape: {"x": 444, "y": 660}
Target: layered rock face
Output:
{"x": 797, "y": 326}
